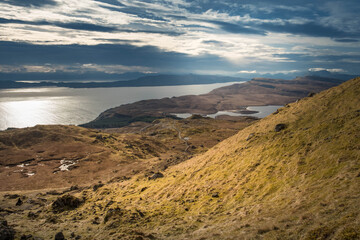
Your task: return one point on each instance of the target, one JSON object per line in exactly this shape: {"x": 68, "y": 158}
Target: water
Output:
{"x": 29, "y": 107}
{"x": 262, "y": 111}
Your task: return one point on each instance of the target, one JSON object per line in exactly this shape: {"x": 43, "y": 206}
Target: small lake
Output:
{"x": 262, "y": 111}
{"x": 29, "y": 107}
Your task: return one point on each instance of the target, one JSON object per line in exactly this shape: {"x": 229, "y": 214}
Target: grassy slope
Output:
{"x": 302, "y": 182}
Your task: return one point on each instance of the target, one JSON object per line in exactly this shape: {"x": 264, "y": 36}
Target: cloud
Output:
{"x": 111, "y": 2}
{"x": 310, "y": 29}
{"x": 69, "y": 25}
{"x": 334, "y": 70}
{"x": 30, "y": 3}
{"x": 179, "y": 35}
{"x": 236, "y": 28}
{"x": 346, "y": 40}
{"x": 106, "y": 56}
{"x": 141, "y": 13}
{"x": 85, "y": 26}
{"x": 74, "y": 68}
{"x": 248, "y": 72}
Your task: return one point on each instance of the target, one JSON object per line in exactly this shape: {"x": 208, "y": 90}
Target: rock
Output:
{"x": 11, "y": 196}
{"x": 59, "y": 236}
{"x": 6, "y": 232}
{"x": 26, "y": 237}
{"x": 53, "y": 192}
{"x": 19, "y": 202}
{"x": 66, "y": 202}
{"x": 73, "y": 188}
{"x": 215, "y": 195}
{"x": 97, "y": 186}
{"x": 250, "y": 136}
{"x": 311, "y": 94}
{"x": 196, "y": 116}
{"x": 32, "y": 215}
{"x": 156, "y": 175}
{"x": 96, "y": 221}
{"x": 279, "y": 127}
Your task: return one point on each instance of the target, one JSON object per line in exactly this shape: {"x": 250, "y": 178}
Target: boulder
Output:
{"x": 59, "y": 236}
{"x": 311, "y": 94}
{"x": 19, "y": 202}
{"x": 66, "y": 202}
{"x": 156, "y": 175}
{"x": 279, "y": 127}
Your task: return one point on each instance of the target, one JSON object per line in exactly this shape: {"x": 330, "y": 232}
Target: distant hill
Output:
{"x": 292, "y": 175}
{"x": 152, "y": 80}
{"x": 259, "y": 91}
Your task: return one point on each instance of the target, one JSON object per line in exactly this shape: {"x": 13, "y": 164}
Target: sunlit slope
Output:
{"x": 280, "y": 183}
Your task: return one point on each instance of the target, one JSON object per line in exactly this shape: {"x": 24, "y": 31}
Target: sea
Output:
{"x": 27, "y": 107}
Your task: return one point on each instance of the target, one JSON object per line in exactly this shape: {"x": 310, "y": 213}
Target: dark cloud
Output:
{"x": 139, "y": 12}
{"x": 310, "y": 29}
{"x": 118, "y": 41}
{"x": 5, "y": 20}
{"x": 89, "y": 27}
{"x": 111, "y": 2}
{"x": 235, "y": 28}
{"x": 73, "y": 25}
{"x": 217, "y": 43}
{"x": 164, "y": 32}
{"x": 13, "y": 53}
{"x": 86, "y": 27}
{"x": 346, "y": 40}
{"x": 30, "y": 3}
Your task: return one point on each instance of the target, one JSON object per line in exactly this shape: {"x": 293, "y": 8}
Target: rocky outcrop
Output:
{"x": 65, "y": 203}
{"x": 6, "y": 232}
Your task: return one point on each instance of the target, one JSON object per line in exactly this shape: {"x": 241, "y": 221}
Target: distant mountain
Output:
{"x": 69, "y": 76}
{"x": 152, "y": 80}
{"x": 328, "y": 74}
{"x": 292, "y": 75}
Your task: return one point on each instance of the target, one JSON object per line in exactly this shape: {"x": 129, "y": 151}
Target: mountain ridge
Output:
{"x": 143, "y": 81}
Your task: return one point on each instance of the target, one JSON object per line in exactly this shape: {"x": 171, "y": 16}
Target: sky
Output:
{"x": 69, "y": 38}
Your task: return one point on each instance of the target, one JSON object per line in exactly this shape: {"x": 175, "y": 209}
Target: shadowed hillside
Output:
{"x": 292, "y": 175}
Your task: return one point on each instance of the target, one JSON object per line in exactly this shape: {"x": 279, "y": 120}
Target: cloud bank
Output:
{"x": 213, "y": 37}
